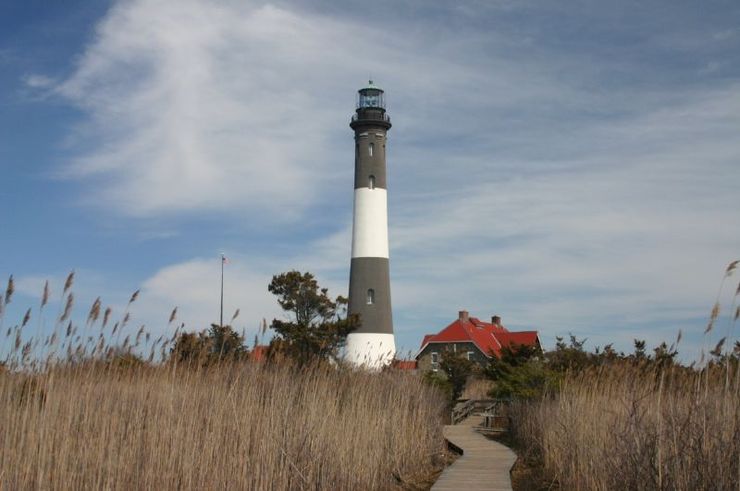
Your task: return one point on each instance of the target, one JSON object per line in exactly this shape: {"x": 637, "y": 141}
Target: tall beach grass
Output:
{"x": 232, "y": 426}
{"x": 636, "y": 427}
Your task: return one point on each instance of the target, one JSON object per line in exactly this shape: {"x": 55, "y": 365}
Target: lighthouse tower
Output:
{"x": 372, "y": 344}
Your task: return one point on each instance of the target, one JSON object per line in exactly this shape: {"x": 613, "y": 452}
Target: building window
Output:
{"x": 370, "y": 296}
{"x": 470, "y": 355}
{"x": 370, "y": 148}
{"x": 435, "y": 361}
{"x": 371, "y": 182}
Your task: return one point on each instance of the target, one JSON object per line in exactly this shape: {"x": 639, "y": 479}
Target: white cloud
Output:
{"x": 524, "y": 180}
{"x": 201, "y": 106}
{"x": 194, "y": 288}
{"x": 36, "y": 81}
{"x": 635, "y": 231}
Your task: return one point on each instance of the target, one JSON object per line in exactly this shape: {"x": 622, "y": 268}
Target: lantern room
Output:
{"x": 371, "y": 97}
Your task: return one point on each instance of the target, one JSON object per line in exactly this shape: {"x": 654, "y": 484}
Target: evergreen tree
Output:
{"x": 318, "y": 325}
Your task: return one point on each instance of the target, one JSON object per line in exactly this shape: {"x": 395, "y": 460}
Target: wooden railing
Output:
{"x": 494, "y": 410}
{"x": 462, "y": 410}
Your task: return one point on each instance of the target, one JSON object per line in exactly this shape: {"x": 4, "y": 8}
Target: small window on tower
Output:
{"x": 370, "y": 296}
{"x": 371, "y": 182}
{"x": 371, "y": 147}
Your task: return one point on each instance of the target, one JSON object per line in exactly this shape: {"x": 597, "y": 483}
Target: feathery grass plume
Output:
{"x": 731, "y": 267}
{"x": 737, "y": 314}
{"x": 94, "y": 313}
{"x": 125, "y": 319}
{"x": 712, "y": 318}
{"x": 134, "y": 296}
{"x": 9, "y": 290}
{"x": 2, "y": 305}
{"x": 717, "y": 351}
{"x": 679, "y": 337}
{"x": 7, "y": 334}
{"x": 45, "y": 294}
{"x": 173, "y": 315}
{"x": 139, "y": 333}
{"x": 106, "y": 316}
{"x": 101, "y": 345}
{"x": 236, "y": 314}
{"x": 68, "y": 307}
{"x": 26, "y": 318}
{"x": 69, "y": 329}
{"x": 53, "y": 338}
{"x": 26, "y": 351}
{"x": 264, "y": 326}
{"x": 17, "y": 343}
{"x": 68, "y": 282}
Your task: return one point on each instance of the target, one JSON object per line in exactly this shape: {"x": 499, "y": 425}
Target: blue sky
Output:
{"x": 570, "y": 166}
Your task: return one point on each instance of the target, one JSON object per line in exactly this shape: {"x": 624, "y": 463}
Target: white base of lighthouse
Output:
{"x": 369, "y": 349}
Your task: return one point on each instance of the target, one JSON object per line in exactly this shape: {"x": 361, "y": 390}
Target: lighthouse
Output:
{"x": 372, "y": 344}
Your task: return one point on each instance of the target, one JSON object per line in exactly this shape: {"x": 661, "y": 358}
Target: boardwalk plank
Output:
{"x": 484, "y": 464}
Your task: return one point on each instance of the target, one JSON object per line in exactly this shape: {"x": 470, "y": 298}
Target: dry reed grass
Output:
{"x": 235, "y": 426}
{"x": 638, "y": 428}
{"x": 477, "y": 388}
{"x": 80, "y": 410}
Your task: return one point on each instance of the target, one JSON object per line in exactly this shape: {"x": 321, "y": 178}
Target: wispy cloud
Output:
{"x": 571, "y": 175}
{"x": 36, "y": 81}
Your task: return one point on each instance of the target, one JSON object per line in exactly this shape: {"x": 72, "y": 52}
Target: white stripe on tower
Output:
{"x": 370, "y": 223}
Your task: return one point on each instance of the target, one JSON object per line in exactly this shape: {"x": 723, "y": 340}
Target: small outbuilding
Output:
{"x": 478, "y": 341}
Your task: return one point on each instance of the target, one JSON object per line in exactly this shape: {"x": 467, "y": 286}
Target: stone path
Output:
{"x": 484, "y": 464}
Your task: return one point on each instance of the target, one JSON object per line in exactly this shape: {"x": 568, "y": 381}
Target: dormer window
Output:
{"x": 370, "y": 296}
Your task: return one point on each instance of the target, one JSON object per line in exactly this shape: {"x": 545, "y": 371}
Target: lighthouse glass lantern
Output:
{"x": 371, "y": 97}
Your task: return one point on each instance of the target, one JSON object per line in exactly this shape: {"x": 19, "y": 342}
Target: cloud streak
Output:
{"x": 567, "y": 181}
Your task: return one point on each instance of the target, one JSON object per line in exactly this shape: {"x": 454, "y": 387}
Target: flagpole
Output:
{"x": 222, "y": 290}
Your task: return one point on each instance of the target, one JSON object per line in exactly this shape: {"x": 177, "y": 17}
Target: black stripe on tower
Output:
{"x": 370, "y": 294}
{"x": 370, "y": 159}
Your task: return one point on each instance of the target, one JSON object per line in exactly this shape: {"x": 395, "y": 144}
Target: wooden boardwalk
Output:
{"x": 484, "y": 464}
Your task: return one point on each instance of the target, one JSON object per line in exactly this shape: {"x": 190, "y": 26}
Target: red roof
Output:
{"x": 259, "y": 352}
{"x": 489, "y": 338}
{"x": 526, "y": 338}
{"x": 404, "y": 364}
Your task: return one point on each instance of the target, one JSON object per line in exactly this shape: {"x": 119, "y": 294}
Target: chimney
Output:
{"x": 496, "y": 320}
{"x": 463, "y": 315}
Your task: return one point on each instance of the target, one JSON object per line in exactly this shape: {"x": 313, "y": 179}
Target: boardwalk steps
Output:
{"x": 484, "y": 464}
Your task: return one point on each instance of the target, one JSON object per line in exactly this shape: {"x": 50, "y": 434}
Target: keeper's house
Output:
{"x": 477, "y": 340}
